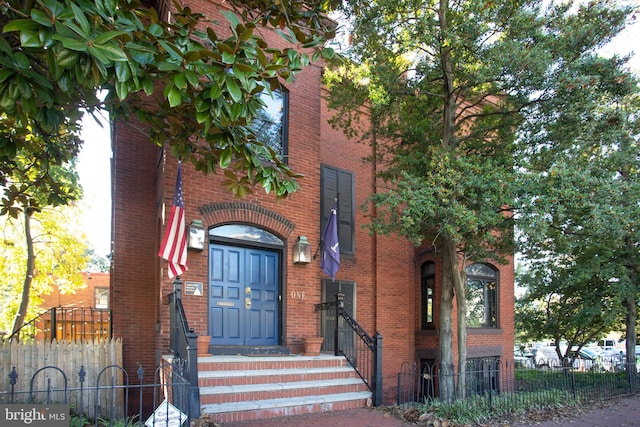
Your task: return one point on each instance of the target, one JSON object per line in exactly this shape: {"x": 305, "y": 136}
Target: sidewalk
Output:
{"x": 618, "y": 412}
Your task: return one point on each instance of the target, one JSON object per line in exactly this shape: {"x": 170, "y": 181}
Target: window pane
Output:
{"x": 476, "y": 310}
{"x": 480, "y": 270}
{"x": 482, "y": 303}
{"x": 101, "y": 297}
{"x": 270, "y": 122}
{"x": 428, "y": 284}
{"x": 245, "y": 232}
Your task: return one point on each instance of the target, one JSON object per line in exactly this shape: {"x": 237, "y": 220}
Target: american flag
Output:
{"x": 174, "y": 242}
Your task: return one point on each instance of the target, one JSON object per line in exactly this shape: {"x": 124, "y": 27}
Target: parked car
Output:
{"x": 597, "y": 359}
{"x": 522, "y": 359}
{"x": 607, "y": 344}
{"x": 546, "y": 357}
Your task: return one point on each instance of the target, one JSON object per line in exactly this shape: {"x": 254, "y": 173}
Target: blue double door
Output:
{"x": 243, "y": 296}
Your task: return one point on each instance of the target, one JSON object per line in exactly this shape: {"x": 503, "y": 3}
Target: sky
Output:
{"x": 95, "y": 170}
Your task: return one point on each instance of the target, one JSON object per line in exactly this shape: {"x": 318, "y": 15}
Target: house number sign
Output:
{"x": 301, "y": 295}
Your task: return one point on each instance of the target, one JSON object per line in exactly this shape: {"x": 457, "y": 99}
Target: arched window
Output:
{"x": 428, "y": 289}
{"x": 248, "y": 233}
{"x": 482, "y": 296}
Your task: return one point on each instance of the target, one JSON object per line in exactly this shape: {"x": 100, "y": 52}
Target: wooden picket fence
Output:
{"x": 62, "y": 360}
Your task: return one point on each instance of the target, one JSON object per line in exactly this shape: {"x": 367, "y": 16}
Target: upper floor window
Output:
{"x": 482, "y": 296}
{"x": 428, "y": 288}
{"x": 338, "y": 184}
{"x": 101, "y": 296}
{"x": 270, "y": 124}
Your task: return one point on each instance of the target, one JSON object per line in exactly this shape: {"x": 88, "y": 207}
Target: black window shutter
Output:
{"x": 338, "y": 183}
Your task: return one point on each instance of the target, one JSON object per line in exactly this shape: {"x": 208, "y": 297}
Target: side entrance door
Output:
{"x": 243, "y": 295}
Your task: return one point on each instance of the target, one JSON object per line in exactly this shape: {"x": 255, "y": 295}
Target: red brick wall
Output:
{"x": 134, "y": 275}
{"x": 81, "y": 297}
{"x": 385, "y": 269}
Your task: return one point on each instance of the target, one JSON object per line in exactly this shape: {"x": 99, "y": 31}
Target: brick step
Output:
{"x": 237, "y": 388}
{"x": 266, "y": 376}
{"x": 232, "y": 363}
{"x": 270, "y": 391}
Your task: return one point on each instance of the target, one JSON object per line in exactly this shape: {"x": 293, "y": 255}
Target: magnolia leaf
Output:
{"x": 22, "y": 24}
{"x": 234, "y": 89}
{"x": 174, "y": 97}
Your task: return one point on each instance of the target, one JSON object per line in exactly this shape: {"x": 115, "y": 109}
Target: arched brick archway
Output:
{"x": 243, "y": 272}
{"x": 247, "y": 213}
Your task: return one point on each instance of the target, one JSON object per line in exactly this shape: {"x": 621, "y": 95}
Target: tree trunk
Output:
{"x": 446, "y": 376}
{"x": 28, "y": 278}
{"x": 450, "y": 275}
{"x": 630, "y": 325}
{"x": 458, "y": 275}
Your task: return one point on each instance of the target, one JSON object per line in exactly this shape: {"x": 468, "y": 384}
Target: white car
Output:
{"x": 546, "y": 357}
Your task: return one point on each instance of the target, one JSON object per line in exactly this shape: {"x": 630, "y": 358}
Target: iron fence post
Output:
{"x": 177, "y": 287}
{"x": 336, "y": 335}
{"x": 573, "y": 383}
{"x": 140, "y": 374}
{"x": 194, "y": 389}
{"x": 13, "y": 379}
{"x": 377, "y": 370}
{"x": 490, "y": 381}
{"x": 54, "y": 323}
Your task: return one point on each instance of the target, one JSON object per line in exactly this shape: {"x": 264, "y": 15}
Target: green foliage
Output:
{"x": 60, "y": 259}
{"x": 474, "y": 410}
{"x": 129, "y": 422}
{"x": 470, "y": 103}
{"x": 578, "y": 206}
{"x": 195, "y": 89}
{"x": 97, "y": 263}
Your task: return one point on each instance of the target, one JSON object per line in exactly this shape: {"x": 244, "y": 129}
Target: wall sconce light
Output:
{"x": 302, "y": 251}
{"x": 195, "y": 239}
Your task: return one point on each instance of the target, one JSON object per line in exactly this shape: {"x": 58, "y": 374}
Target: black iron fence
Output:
{"x": 495, "y": 385}
{"x": 67, "y": 324}
{"x": 105, "y": 400}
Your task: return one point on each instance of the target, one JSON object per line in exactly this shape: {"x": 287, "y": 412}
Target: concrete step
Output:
{"x": 273, "y": 408}
{"x": 271, "y": 391}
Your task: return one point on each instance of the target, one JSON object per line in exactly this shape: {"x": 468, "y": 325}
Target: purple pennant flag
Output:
{"x": 330, "y": 261}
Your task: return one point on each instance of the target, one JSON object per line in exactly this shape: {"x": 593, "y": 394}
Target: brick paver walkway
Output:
{"x": 619, "y": 412}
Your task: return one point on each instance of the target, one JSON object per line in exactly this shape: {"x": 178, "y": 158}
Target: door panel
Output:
{"x": 328, "y": 317}
{"x": 243, "y": 296}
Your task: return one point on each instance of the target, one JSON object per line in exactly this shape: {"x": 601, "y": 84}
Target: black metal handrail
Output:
{"x": 67, "y": 323}
{"x": 183, "y": 343}
{"x": 363, "y": 352}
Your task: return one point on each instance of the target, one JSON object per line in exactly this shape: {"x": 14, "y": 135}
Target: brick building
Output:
{"x": 81, "y": 315}
{"x": 391, "y": 286}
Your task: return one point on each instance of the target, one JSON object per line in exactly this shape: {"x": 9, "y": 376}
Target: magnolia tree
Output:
{"x": 196, "y": 90}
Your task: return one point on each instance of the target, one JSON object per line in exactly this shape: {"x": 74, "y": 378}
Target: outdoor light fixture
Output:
{"x": 195, "y": 240}
{"x": 302, "y": 251}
